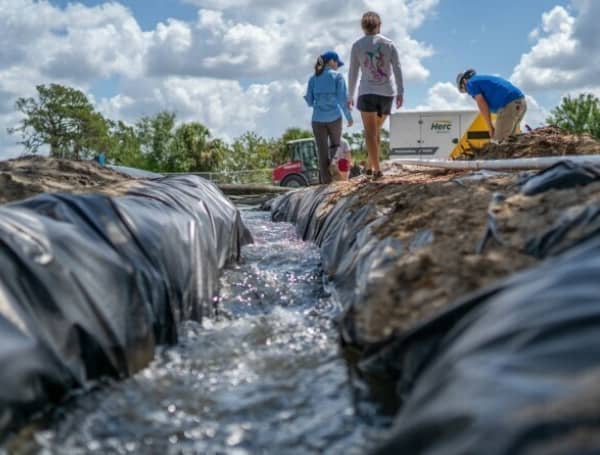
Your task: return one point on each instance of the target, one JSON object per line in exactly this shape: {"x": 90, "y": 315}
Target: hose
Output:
{"x": 499, "y": 165}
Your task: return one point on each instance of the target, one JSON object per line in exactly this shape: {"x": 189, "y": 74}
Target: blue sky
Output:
{"x": 148, "y": 13}
{"x": 239, "y": 65}
{"x": 466, "y": 33}
{"x": 469, "y": 34}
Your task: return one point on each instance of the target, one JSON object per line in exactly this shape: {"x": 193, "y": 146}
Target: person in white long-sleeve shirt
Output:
{"x": 376, "y": 58}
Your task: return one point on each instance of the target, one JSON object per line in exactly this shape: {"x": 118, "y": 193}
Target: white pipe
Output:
{"x": 509, "y": 164}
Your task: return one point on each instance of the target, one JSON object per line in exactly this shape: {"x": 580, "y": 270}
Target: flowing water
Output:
{"x": 266, "y": 376}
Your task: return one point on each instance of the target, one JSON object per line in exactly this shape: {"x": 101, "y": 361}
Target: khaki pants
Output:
{"x": 509, "y": 118}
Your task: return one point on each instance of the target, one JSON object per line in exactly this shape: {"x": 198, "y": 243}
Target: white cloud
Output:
{"x": 536, "y": 113}
{"x": 444, "y": 96}
{"x": 8, "y": 144}
{"x": 224, "y": 105}
{"x": 232, "y": 40}
{"x": 566, "y": 54}
{"x": 238, "y": 65}
{"x": 77, "y": 44}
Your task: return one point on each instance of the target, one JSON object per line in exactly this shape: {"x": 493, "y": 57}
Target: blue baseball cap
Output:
{"x": 330, "y": 55}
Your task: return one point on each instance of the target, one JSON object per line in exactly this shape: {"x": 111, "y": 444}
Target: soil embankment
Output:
{"x": 450, "y": 209}
{"x": 546, "y": 141}
{"x": 25, "y": 177}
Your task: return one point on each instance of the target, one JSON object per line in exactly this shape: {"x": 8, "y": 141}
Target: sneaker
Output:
{"x": 377, "y": 175}
{"x": 369, "y": 172}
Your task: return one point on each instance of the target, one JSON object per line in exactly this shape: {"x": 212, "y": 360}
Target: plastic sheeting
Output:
{"x": 514, "y": 368}
{"x": 352, "y": 256}
{"x": 90, "y": 284}
{"x": 511, "y": 370}
{"x": 573, "y": 227}
{"x": 562, "y": 175}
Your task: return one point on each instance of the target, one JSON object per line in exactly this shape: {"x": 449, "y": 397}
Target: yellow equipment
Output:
{"x": 475, "y": 138}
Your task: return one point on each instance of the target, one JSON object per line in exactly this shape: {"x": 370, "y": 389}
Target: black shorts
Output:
{"x": 375, "y": 103}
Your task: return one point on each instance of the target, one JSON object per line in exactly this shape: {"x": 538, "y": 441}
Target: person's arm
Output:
{"x": 353, "y": 75}
{"x": 398, "y": 77}
{"x": 341, "y": 95}
{"x": 484, "y": 109}
{"x": 310, "y": 97}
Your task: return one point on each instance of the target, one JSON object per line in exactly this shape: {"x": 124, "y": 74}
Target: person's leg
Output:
{"x": 334, "y": 132}
{"x": 508, "y": 118}
{"x": 520, "y": 115}
{"x": 367, "y": 106}
{"x": 384, "y": 108}
{"x": 320, "y": 132}
{"x": 503, "y": 126}
{"x": 369, "y": 120}
{"x": 380, "y": 121}
{"x": 334, "y": 171}
{"x": 368, "y": 169}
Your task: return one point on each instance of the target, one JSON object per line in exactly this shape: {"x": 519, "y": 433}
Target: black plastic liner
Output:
{"x": 90, "y": 284}
{"x": 350, "y": 253}
{"x": 569, "y": 230}
{"x": 562, "y": 175}
{"x": 572, "y": 228}
{"x": 353, "y": 257}
{"x": 511, "y": 370}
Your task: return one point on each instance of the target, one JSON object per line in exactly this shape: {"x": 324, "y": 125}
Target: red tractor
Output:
{"x": 303, "y": 167}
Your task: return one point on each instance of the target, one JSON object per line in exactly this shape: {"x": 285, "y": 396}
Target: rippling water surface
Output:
{"x": 266, "y": 376}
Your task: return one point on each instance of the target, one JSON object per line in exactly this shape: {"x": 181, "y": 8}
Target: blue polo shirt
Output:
{"x": 327, "y": 95}
{"x": 496, "y": 91}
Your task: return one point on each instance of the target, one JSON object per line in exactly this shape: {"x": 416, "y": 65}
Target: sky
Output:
{"x": 243, "y": 65}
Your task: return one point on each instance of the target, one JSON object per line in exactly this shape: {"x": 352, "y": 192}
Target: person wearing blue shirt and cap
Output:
{"x": 327, "y": 94}
{"x": 494, "y": 94}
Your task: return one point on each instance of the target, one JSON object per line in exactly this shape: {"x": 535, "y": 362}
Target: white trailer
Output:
{"x": 434, "y": 134}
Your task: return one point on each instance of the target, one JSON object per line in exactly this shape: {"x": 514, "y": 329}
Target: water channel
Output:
{"x": 266, "y": 376}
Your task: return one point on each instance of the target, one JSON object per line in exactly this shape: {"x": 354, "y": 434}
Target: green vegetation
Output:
{"x": 62, "y": 120}
{"x": 578, "y": 115}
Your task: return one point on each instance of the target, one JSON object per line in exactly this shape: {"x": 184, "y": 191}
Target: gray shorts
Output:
{"x": 375, "y": 103}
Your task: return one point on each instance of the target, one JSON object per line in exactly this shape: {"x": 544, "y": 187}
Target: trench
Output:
{"x": 267, "y": 375}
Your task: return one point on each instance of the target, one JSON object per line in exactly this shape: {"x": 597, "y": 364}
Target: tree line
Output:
{"x": 63, "y": 121}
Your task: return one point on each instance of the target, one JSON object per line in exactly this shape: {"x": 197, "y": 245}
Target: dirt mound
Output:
{"x": 25, "y": 177}
{"x": 441, "y": 218}
{"x": 547, "y": 141}
{"x": 454, "y": 208}
{"x": 425, "y": 280}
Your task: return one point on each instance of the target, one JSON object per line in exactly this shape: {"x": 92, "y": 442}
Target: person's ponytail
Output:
{"x": 319, "y": 66}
